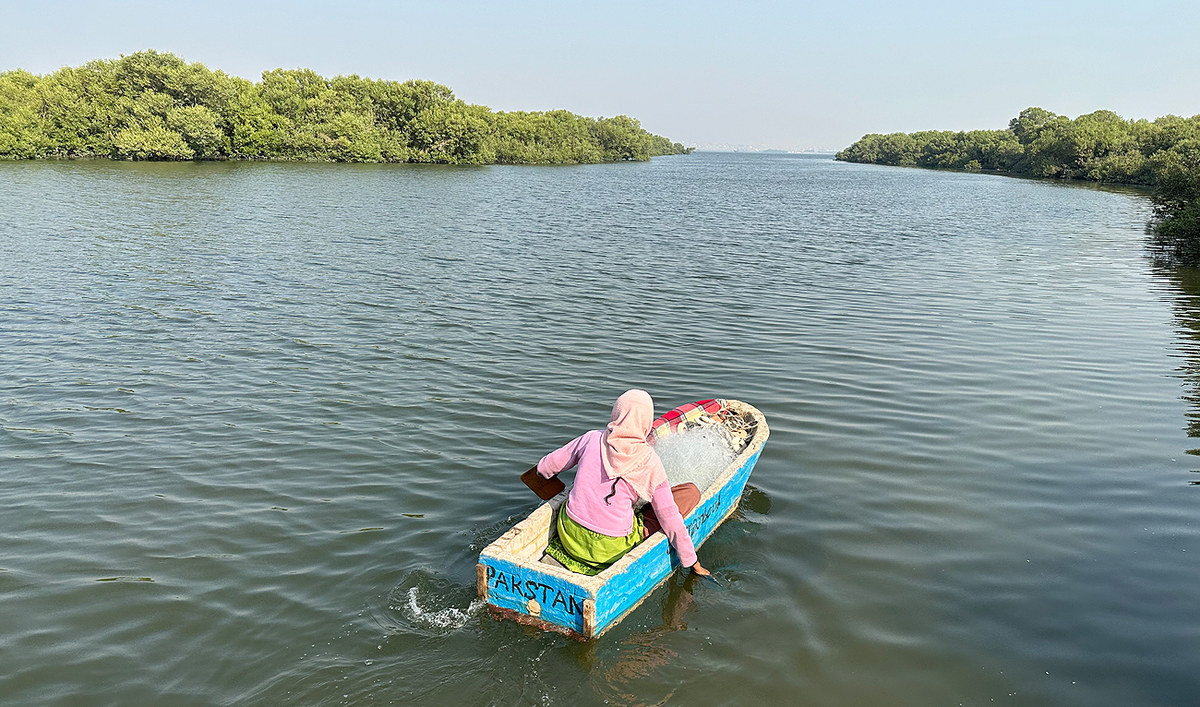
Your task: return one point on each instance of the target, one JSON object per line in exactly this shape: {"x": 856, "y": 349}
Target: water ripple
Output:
{"x": 257, "y": 421}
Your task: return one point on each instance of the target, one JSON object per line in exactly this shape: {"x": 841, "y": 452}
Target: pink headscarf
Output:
{"x": 627, "y": 455}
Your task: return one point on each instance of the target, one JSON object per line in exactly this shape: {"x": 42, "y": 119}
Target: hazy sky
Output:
{"x": 783, "y": 75}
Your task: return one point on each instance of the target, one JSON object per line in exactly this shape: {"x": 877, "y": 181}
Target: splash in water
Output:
{"x": 445, "y": 618}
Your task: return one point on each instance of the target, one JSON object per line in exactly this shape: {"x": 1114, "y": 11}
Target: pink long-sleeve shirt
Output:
{"x": 586, "y": 504}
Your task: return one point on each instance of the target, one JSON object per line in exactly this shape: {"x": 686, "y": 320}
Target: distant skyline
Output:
{"x": 714, "y": 75}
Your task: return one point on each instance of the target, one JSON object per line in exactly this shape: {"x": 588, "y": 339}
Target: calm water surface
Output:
{"x": 257, "y": 421}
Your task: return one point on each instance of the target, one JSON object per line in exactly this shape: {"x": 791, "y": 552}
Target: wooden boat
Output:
{"x": 516, "y": 583}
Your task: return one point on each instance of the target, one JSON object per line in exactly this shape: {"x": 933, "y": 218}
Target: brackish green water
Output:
{"x": 259, "y": 419}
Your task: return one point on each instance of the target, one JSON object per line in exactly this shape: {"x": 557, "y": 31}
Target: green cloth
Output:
{"x": 586, "y": 551}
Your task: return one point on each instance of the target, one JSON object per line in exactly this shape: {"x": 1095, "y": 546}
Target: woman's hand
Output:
{"x": 698, "y": 569}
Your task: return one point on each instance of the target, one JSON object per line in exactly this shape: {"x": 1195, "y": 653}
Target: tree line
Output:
{"x": 155, "y": 106}
{"x": 1100, "y": 147}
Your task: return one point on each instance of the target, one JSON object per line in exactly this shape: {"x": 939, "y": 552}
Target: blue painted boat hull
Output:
{"x": 516, "y": 584}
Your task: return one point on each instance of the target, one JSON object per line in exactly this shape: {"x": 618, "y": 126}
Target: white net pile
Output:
{"x": 698, "y": 455}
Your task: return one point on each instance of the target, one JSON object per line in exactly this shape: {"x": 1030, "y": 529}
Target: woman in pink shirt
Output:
{"x": 598, "y": 525}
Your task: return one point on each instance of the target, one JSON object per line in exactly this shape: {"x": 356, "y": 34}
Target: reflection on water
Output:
{"x": 1186, "y": 307}
{"x": 616, "y": 679}
{"x": 641, "y": 669}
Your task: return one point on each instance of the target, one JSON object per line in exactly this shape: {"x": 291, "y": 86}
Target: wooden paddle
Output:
{"x": 546, "y": 489}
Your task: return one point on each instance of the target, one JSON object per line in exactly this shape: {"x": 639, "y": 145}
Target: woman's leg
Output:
{"x": 686, "y": 497}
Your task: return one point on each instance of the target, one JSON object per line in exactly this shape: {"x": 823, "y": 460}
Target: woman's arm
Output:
{"x": 668, "y": 515}
{"x": 540, "y": 478}
{"x": 562, "y": 458}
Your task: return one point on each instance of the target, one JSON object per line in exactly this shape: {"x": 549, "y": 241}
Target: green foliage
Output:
{"x": 1100, "y": 146}
{"x": 660, "y": 146}
{"x": 622, "y": 138}
{"x": 1026, "y": 126}
{"x": 152, "y": 142}
{"x": 155, "y": 106}
{"x": 22, "y": 133}
{"x": 554, "y": 137}
{"x": 197, "y": 126}
{"x": 1176, "y": 223}
{"x": 976, "y": 150}
{"x": 79, "y": 109}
